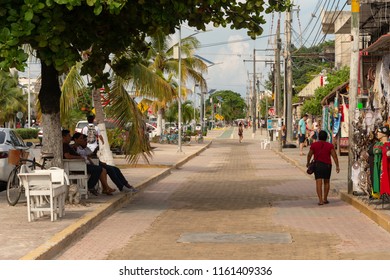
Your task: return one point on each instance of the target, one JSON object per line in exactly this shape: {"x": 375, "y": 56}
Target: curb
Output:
{"x": 79, "y": 228}
{"x": 381, "y": 219}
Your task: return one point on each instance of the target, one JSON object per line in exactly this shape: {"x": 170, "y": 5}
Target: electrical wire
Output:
{"x": 319, "y": 30}
{"x": 338, "y": 14}
{"x": 313, "y": 16}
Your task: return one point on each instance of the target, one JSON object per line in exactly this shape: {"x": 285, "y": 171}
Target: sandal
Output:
{"x": 326, "y": 202}
{"x": 319, "y": 203}
{"x": 107, "y": 192}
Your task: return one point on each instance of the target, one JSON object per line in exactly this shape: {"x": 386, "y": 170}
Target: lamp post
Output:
{"x": 203, "y": 101}
{"x": 29, "y": 97}
{"x": 179, "y": 101}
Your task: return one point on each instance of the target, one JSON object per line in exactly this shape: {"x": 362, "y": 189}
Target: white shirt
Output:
{"x": 94, "y": 145}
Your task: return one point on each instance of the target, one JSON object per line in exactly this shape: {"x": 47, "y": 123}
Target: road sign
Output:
{"x": 271, "y": 111}
{"x": 19, "y": 115}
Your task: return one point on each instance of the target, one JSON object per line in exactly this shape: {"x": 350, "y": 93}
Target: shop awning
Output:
{"x": 382, "y": 45}
{"x": 341, "y": 89}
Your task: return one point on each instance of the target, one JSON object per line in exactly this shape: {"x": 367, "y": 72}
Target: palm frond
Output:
{"x": 70, "y": 89}
{"x": 126, "y": 112}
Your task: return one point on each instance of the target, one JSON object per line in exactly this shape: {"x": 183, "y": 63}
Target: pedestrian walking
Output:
{"x": 240, "y": 132}
{"x": 302, "y": 133}
{"x": 323, "y": 151}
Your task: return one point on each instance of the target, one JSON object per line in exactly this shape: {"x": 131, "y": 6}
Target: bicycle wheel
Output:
{"x": 14, "y": 188}
{"x": 186, "y": 140}
{"x": 163, "y": 140}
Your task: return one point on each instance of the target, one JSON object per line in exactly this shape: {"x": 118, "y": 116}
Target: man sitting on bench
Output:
{"x": 69, "y": 153}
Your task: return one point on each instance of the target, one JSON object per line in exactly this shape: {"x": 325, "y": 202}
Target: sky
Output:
{"x": 231, "y": 51}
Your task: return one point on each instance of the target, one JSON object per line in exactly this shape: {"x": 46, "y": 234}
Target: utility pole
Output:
{"x": 288, "y": 93}
{"x": 253, "y": 96}
{"x": 278, "y": 99}
{"x": 353, "y": 83}
{"x": 278, "y": 95}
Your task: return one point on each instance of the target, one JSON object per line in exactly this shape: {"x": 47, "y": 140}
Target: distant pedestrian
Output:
{"x": 302, "y": 133}
{"x": 240, "y": 132}
{"x": 323, "y": 151}
{"x": 93, "y": 133}
{"x": 284, "y": 134}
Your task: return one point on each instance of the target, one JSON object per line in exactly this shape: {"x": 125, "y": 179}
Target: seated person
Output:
{"x": 94, "y": 171}
{"x": 114, "y": 172}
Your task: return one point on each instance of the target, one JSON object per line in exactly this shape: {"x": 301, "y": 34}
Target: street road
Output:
{"x": 234, "y": 201}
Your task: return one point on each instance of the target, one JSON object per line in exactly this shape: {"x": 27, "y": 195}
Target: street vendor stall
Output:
{"x": 335, "y": 117}
{"x": 370, "y": 174}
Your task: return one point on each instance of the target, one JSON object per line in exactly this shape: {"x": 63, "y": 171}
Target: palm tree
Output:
{"x": 152, "y": 77}
{"x": 187, "y": 111}
{"x": 12, "y": 98}
{"x": 163, "y": 63}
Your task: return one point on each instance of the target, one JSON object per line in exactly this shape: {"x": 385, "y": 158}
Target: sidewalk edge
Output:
{"x": 77, "y": 230}
{"x": 379, "y": 218}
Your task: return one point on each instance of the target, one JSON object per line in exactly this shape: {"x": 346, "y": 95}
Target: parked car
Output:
{"x": 9, "y": 140}
{"x": 110, "y": 124}
{"x": 151, "y": 130}
{"x": 80, "y": 125}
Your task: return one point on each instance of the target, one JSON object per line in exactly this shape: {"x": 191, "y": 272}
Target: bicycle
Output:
{"x": 199, "y": 138}
{"x": 168, "y": 138}
{"x": 186, "y": 139}
{"x": 14, "y": 187}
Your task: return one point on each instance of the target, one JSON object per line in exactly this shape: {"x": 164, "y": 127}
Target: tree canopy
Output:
{"x": 232, "y": 104}
{"x": 313, "y": 105}
{"x": 59, "y": 31}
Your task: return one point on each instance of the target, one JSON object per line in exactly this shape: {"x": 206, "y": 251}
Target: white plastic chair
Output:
{"x": 264, "y": 143}
{"x": 45, "y": 191}
{"x": 76, "y": 169}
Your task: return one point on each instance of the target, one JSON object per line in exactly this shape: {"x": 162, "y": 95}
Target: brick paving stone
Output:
{"x": 234, "y": 188}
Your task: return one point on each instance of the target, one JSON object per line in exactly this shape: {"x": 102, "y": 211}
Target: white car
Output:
{"x": 9, "y": 140}
{"x": 80, "y": 125}
{"x": 151, "y": 130}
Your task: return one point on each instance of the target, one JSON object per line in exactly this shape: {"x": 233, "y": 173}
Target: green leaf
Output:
{"x": 91, "y": 2}
{"x": 98, "y": 9}
{"x": 29, "y": 15}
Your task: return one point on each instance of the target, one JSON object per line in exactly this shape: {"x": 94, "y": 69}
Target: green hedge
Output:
{"x": 27, "y": 133}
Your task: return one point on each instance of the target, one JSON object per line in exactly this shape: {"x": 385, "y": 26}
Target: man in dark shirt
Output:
{"x": 69, "y": 153}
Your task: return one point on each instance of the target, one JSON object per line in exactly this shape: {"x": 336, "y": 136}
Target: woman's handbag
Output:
{"x": 311, "y": 168}
{"x": 312, "y": 165}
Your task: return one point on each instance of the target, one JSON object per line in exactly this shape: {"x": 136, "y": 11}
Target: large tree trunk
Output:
{"x": 49, "y": 98}
{"x": 104, "y": 150}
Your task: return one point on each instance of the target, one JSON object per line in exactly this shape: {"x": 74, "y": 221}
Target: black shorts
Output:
{"x": 323, "y": 170}
{"x": 302, "y": 138}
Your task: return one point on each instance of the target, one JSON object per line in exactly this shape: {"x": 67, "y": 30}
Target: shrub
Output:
{"x": 27, "y": 133}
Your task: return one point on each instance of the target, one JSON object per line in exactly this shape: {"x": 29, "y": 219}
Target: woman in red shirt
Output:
{"x": 322, "y": 152}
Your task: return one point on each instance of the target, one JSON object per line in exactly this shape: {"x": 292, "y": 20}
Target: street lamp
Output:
{"x": 179, "y": 101}
{"x": 203, "y": 102}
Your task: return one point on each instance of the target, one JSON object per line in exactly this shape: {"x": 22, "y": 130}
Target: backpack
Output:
{"x": 91, "y": 134}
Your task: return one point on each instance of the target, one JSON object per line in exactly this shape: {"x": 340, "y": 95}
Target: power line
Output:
{"x": 234, "y": 41}
{"x": 326, "y": 18}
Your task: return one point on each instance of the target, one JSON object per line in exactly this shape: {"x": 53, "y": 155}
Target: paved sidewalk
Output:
{"x": 44, "y": 239}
